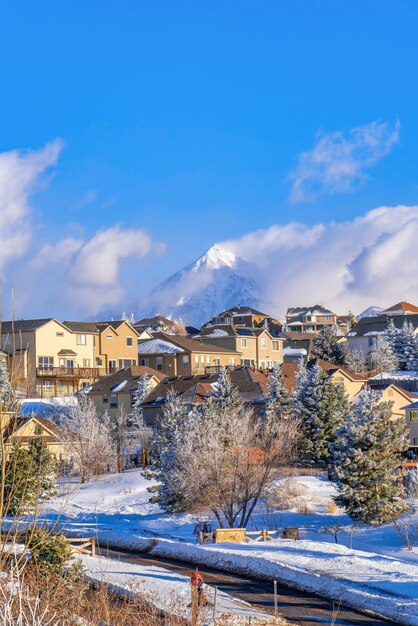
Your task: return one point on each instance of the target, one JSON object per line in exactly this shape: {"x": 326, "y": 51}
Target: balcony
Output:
{"x": 88, "y": 373}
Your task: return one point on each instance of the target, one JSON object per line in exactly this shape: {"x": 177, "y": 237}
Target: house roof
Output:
{"x": 332, "y": 368}
{"x": 67, "y": 352}
{"x": 289, "y": 373}
{"x": 404, "y": 392}
{"x": 401, "y": 308}
{"x": 241, "y": 310}
{"x": 190, "y": 345}
{"x": 378, "y": 324}
{"x": 128, "y": 375}
{"x": 150, "y": 321}
{"x": 55, "y": 434}
{"x": 23, "y": 325}
{"x": 251, "y": 383}
{"x": 301, "y": 311}
{"x": 95, "y": 327}
{"x": 158, "y": 346}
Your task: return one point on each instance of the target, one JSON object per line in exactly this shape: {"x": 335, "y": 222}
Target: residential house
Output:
{"x": 401, "y": 308}
{"x": 176, "y": 355}
{"x": 21, "y": 430}
{"x": 251, "y": 383}
{"x": 46, "y": 358}
{"x": 411, "y": 415}
{"x": 309, "y": 319}
{"x": 363, "y": 335}
{"x": 115, "y": 343}
{"x": 257, "y": 346}
{"x": 117, "y": 390}
{"x": 300, "y": 342}
{"x": 353, "y": 383}
{"x": 246, "y": 316}
{"x": 155, "y": 324}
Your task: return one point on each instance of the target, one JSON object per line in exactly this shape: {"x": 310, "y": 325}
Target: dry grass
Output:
{"x": 301, "y": 471}
{"x": 303, "y": 507}
{"x": 332, "y": 508}
{"x": 287, "y": 494}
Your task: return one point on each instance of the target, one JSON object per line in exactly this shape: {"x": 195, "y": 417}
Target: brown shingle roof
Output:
{"x": 404, "y": 306}
{"x": 23, "y": 325}
{"x": 331, "y": 368}
{"x": 130, "y": 374}
{"x": 191, "y": 345}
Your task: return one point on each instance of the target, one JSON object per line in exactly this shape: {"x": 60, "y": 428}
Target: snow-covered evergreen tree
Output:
{"x": 326, "y": 345}
{"x": 321, "y": 406}
{"x": 367, "y": 460}
{"x": 225, "y": 397}
{"x": 278, "y": 400}
{"x": 410, "y": 346}
{"x": 136, "y": 416}
{"x": 382, "y": 355}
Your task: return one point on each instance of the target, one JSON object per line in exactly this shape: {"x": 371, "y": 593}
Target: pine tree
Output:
{"x": 410, "y": 346}
{"x": 382, "y": 355}
{"x": 136, "y": 417}
{"x": 321, "y": 406}
{"x": 394, "y": 337}
{"x": 355, "y": 361}
{"x": 326, "y": 345}
{"x": 225, "y": 397}
{"x": 367, "y": 459}
{"x": 278, "y": 400}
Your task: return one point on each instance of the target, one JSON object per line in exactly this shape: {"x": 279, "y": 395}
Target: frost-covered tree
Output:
{"x": 169, "y": 427}
{"x": 411, "y": 484}
{"x": 404, "y": 344}
{"x": 278, "y": 401}
{"x": 321, "y": 406}
{"x": 136, "y": 416}
{"x": 89, "y": 438}
{"x": 367, "y": 459}
{"x": 7, "y": 395}
{"x": 225, "y": 398}
{"x": 382, "y": 355}
{"x": 327, "y": 345}
{"x": 355, "y": 361}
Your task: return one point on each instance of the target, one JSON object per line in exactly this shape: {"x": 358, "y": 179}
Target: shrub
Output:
{"x": 287, "y": 494}
{"x": 50, "y": 553}
{"x": 303, "y": 507}
{"x": 332, "y": 508}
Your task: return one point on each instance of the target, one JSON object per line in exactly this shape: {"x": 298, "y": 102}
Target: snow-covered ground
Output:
{"x": 171, "y": 592}
{"x": 378, "y": 573}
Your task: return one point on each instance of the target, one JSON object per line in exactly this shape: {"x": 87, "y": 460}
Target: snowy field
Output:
{"x": 378, "y": 573}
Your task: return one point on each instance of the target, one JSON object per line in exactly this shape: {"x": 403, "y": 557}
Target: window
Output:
{"x": 372, "y": 341}
{"x": 413, "y": 416}
{"x": 47, "y": 384}
{"x": 263, "y": 365}
{"x": 144, "y": 361}
{"x": 328, "y": 317}
{"x": 208, "y": 360}
{"x": 46, "y": 362}
{"x": 228, "y": 320}
{"x": 159, "y": 363}
{"x": 109, "y": 336}
{"x": 86, "y": 362}
{"x": 264, "y": 343}
{"x": 185, "y": 361}
{"x": 59, "y": 334}
{"x": 196, "y": 359}
{"x": 243, "y": 343}
{"x": 81, "y": 340}
{"x": 217, "y": 362}
{"x": 232, "y": 361}
{"x": 112, "y": 365}
{"x": 248, "y": 362}
{"x": 276, "y": 345}
{"x": 99, "y": 361}
{"x": 105, "y": 398}
{"x": 415, "y": 441}
{"x": 113, "y": 399}
{"x": 202, "y": 358}
{"x": 129, "y": 341}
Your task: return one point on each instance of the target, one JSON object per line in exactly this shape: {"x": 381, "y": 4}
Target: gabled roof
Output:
{"x": 24, "y": 325}
{"x": 401, "y": 308}
{"x": 378, "y": 325}
{"x": 82, "y": 327}
{"x": 332, "y": 368}
{"x": 191, "y": 345}
{"x": 241, "y": 310}
{"x": 129, "y": 375}
{"x": 158, "y": 346}
{"x": 251, "y": 383}
{"x": 301, "y": 311}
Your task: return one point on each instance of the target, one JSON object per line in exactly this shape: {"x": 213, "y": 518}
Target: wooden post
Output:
{"x": 264, "y": 535}
{"x": 200, "y": 537}
{"x": 195, "y": 606}
{"x": 93, "y": 546}
{"x": 275, "y": 598}
{"x": 214, "y": 605}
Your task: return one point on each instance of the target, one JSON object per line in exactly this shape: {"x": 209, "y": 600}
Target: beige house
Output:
{"x": 411, "y": 414}
{"x": 115, "y": 343}
{"x": 309, "y": 319}
{"x": 21, "y": 431}
{"x": 176, "y": 355}
{"x": 116, "y": 391}
{"x": 245, "y": 316}
{"x": 353, "y": 383}
{"x": 256, "y": 345}
{"x": 46, "y": 358}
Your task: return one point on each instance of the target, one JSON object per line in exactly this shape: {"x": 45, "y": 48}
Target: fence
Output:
{"x": 80, "y": 545}
{"x": 237, "y": 535}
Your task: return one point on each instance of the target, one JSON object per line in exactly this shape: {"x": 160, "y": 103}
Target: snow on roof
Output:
{"x": 158, "y": 345}
{"x": 398, "y": 375}
{"x": 218, "y": 332}
{"x": 294, "y": 352}
{"x": 118, "y": 387}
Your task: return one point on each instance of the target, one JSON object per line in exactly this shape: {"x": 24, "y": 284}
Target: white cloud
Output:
{"x": 20, "y": 175}
{"x": 338, "y": 162}
{"x": 369, "y": 260}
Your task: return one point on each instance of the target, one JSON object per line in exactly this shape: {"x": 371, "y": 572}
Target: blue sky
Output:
{"x": 186, "y": 118}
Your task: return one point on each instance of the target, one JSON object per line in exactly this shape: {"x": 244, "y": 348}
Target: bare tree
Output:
{"x": 178, "y": 327}
{"x": 89, "y": 438}
{"x": 227, "y": 466}
{"x": 332, "y": 529}
{"x": 407, "y": 529}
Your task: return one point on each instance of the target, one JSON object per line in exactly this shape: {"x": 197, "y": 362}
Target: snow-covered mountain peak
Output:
{"x": 216, "y": 258}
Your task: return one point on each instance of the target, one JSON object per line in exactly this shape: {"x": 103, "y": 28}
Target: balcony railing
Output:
{"x": 70, "y": 372}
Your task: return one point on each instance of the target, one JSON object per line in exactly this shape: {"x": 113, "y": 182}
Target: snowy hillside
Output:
{"x": 371, "y": 311}
{"x": 216, "y": 281}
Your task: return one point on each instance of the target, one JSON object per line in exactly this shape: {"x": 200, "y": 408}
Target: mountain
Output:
{"x": 216, "y": 281}
{"x": 371, "y": 311}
